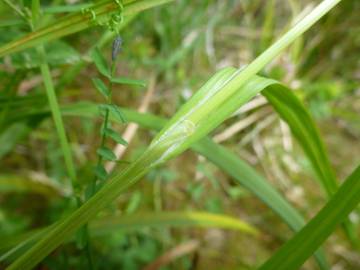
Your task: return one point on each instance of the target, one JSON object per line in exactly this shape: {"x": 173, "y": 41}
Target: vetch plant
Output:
{"x": 104, "y": 153}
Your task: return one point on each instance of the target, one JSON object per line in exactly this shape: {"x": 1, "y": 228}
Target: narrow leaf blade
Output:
{"x": 100, "y": 172}
{"x": 100, "y": 62}
{"x": 101, "y": 87}
{"x": 128, "y": 81}
{"x": 294, "y": 253}
{"x": 115, "y": 136}
{"x": 106, "y": 153}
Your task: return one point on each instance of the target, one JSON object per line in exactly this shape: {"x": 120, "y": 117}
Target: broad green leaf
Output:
{"x": 115, "y": 136}
{"x": 295, "y": 252}
{"x": 100, "y": 62}
{"x": 106, "y": 153}
{"x": 127, "y": 81}
{"x": 71, "y": 24}
{"x": 101, "y": 87}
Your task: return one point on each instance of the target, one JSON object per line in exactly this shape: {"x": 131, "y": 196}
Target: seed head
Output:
{"x": 116, "y": 47}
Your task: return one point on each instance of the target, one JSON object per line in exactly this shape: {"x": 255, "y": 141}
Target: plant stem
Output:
{"x": 93, "y": 183}
{"x": 105, "y": 126}
{"x": 59, "y": 125}
{"x": 55, "y": 111}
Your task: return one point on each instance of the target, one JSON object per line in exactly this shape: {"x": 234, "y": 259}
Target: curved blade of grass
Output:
{"x": 75, "y": 23}
{"x": 159, "y": 219}
{"x": 294, "y": 253}
{"x": 245, "y": 175}
{"x": 304, "y": 129}
{"x": 18, "y": 183}
{"x": 136, "y": 221}
{"x": 187, "y": 126}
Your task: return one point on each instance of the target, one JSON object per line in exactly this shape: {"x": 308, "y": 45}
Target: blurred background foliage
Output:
{"x": 177, "y": 47}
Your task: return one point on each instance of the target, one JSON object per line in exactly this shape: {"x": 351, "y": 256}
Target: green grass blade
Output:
{"x": 56, "y": 114}
{"x": 245, "y": 175}
{"x": 160, "y": 219}
{"x": 107, "y": 225}
{"x": 306, "y": 133}
{"x": 75, "y": 23}
{"x": 304, "y": 129}
{"x": 294, "y": 253}
{"x": 27, "y": 184}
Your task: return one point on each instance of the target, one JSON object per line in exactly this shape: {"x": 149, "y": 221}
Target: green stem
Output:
{"x": 55, "y": 111}
{"x": 54, "y": 105}
{"x": 59, "y": 125}
{"x": 105, "y": 125}
{"x": 93, "y": 183}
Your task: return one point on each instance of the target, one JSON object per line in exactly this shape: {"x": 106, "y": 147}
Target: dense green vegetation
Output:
{"x": 160, "y": 134}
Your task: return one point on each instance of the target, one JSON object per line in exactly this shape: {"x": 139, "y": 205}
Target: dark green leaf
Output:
{"x": 116, "y": 112}
{"x": 106, "y": 153}
{"x": 100, "y": 172}
{"x": 100, "y": 62}
{"x": 128, "y": 81}
{"x": 115, "y": 136}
